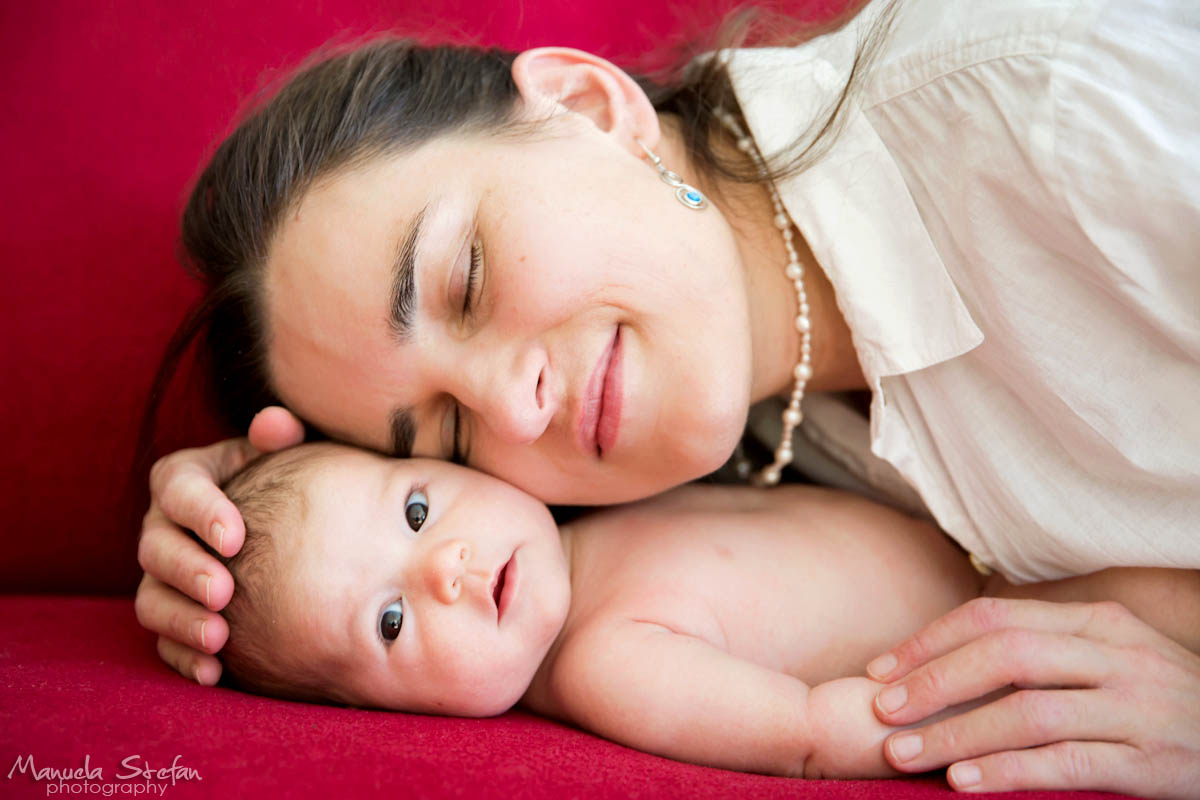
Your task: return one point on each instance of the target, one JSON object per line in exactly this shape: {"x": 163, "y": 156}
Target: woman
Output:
{"x": 528, "y": 265}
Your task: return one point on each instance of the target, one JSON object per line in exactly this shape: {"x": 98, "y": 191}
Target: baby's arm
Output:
{"x": 643, "y": 685}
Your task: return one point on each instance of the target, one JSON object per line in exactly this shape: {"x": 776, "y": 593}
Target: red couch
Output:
{"x": 110, "y": 106}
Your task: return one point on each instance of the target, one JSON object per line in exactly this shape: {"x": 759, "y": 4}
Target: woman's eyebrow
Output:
{"x": 404, "y": 282}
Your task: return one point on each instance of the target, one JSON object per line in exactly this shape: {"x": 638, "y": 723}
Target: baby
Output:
{"x": 710, "y": 624}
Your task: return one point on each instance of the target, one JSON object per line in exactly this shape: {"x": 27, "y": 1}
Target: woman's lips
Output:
{"x": 601, "y": 414}
{"x": 610, "y": 407}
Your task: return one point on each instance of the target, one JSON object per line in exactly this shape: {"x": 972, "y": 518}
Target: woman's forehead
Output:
{"x": 439, "y": 162}
{"x": 364, "y": 217}
{"x": 403, "y": 181}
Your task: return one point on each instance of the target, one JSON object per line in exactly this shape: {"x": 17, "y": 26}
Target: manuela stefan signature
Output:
{"x": 132, "y": 768}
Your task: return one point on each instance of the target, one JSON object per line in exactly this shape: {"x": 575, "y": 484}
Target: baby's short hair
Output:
{"x": 269, "y": 493}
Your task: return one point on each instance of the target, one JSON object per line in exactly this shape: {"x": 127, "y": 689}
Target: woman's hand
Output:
{"x": 1105, "y": 701}
{"x": 181, "y": 578}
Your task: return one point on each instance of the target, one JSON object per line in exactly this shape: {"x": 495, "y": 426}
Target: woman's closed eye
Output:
{"x": 458, "y": 453}
{"x": 454, "y": 433}
{"x": 471, "y": 294}
{"x": 474, "y": 270}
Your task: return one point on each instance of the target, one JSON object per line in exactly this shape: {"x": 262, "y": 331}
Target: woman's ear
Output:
{"x": 556, "y": 79}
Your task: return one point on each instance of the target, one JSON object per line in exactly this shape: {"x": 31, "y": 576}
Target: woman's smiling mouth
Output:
{"x": 600, "y": 416}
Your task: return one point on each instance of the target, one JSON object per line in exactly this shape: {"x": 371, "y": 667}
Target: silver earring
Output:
{"x": 690, "y": 196}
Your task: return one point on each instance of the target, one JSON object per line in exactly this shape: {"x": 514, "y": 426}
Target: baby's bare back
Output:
{"x": 806, "y": 581}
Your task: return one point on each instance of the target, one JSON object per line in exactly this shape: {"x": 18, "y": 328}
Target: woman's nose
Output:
{"x": 445, "y": 565}
{"x": 513, "y": 394}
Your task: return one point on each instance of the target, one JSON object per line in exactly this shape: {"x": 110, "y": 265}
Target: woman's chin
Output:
{"x": 689, "y": 457}
{"x": 714, "y": 433}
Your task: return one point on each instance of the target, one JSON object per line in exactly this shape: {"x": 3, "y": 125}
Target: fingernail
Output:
{"x": 892, "y": 699}
{"x": 964, "y": 775}
{"x": 218, "y": 533}
{"x": 881, "y": 667}
{"x": 198, "y": 632}
{"x": 206, "y": 582}
{"x": 907, "y": 747}
{"x": 196, "y": 674}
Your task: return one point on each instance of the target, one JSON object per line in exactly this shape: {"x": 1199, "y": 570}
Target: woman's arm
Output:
{"x": 184, "y": 585}
{"x": 1167, "y": 600}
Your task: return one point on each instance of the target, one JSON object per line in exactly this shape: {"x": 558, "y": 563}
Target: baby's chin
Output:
{"x": 492, "y": 706}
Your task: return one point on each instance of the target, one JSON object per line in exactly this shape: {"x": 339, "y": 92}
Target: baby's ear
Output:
{"x": 554, "y": 80}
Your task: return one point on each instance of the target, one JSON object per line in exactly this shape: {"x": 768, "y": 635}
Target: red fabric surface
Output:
{"x": 78, "y": 678}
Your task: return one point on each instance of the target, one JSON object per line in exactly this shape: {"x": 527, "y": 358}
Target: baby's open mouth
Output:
{"x": 499, "y": 587}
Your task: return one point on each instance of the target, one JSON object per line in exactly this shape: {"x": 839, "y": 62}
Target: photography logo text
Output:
{"x": 134, "y": 775}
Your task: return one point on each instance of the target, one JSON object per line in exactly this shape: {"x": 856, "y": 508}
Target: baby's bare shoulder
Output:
{"x": 606, "y": 656}
{"x": 580, "y": 657}
{"x": 694, "y": 501}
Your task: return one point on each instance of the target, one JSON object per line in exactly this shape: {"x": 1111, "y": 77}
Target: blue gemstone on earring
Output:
{"x": 691, "y": 197}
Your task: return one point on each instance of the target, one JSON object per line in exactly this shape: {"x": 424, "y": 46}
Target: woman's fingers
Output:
{"x": 170, "y": 556}
{"x": 185, "y": 485}
{"x": 1024, "y": 719}
{"x": 1096, "y": 766}
{"x": 200, "y": 667}
{"x": 1128, "y": 718}
{"x": 995, "y": 660}
{"x": 168, "y": 613}
{"x": 219, "y": 461}
{"x": 1101, "y": 621}
{"x": 275, "y": 428}
{"x": 185, "y": 491}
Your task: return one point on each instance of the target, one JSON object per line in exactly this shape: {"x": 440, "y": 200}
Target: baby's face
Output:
{"x": 434, "y": 588}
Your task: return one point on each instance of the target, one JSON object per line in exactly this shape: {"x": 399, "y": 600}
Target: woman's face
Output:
{"x": 566, "y": 325}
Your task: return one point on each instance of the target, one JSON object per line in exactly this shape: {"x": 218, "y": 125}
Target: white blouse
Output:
{"x": 1010, "y": 218}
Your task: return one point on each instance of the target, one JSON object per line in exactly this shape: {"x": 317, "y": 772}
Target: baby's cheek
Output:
{"x": 847, "y": 736}
{"x": 479, "y": 687}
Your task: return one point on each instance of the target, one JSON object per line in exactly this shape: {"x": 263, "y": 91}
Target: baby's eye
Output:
{"x": 390, "y": 622}
{"x": 416, "y": 509}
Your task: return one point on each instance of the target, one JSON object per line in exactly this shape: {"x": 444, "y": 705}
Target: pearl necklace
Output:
{"x": 769, "y": 475}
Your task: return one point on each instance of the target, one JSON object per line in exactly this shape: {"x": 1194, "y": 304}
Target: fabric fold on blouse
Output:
{"x": 1010, "y": 218}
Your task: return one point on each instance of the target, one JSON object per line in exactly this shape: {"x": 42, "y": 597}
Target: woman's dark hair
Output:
{"x": 344, "y": 109}
{"x": 379, "y": 98}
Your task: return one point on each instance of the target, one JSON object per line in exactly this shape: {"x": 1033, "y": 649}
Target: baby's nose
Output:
{"x": 444, "y": 569}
